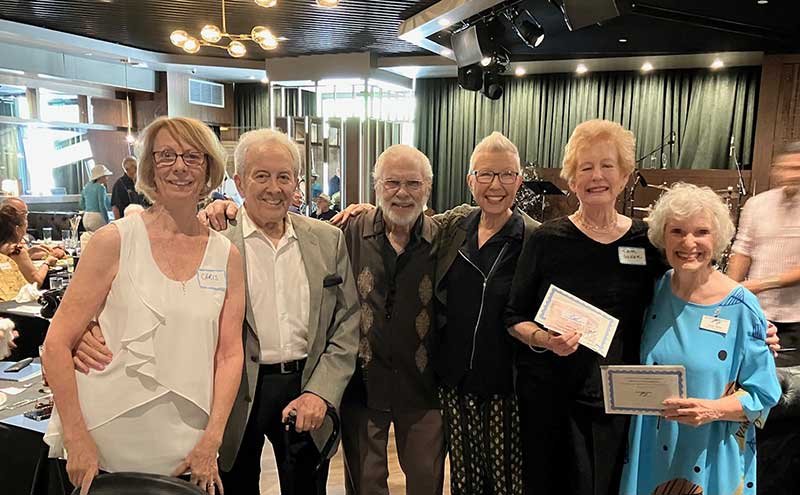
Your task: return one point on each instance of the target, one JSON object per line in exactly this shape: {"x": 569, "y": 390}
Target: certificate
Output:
{"x": 562, "y": 312}
{"x": 641, "y": 389}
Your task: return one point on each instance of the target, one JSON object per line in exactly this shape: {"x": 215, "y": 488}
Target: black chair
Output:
{"x": 779, "y": 442}
{"x": 140, "y": 484}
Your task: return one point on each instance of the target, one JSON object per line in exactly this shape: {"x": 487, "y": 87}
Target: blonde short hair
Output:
{"x": 195, "y": 134}
{"x": 495, "y": 142}
{"x": 684, "y": 201}
{"x": 409, "y": 151}
{"x": 264, "y": 136}
{"x": 591, "y": 131}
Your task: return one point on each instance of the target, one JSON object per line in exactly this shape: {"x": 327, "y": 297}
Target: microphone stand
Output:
{"x": 740, "y": 184}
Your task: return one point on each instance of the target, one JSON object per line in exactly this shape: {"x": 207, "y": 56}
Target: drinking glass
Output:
{"x": 47, "y": 234}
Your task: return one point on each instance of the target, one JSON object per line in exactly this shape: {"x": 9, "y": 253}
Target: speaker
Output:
{"x": 467, "y": 47}
{"x": 471, "y": 77}
{"x": 582, "y": 13}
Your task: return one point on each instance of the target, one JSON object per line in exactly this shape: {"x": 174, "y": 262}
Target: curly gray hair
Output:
{"x": 684, "y": 201}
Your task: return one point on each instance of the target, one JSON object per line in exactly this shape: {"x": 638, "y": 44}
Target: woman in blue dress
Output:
{"x": 701, "y": 319}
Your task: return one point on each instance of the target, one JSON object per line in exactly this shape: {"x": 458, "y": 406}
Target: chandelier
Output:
{"x": 212, "y": 35}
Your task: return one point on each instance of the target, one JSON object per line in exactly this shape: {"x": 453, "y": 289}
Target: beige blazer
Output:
{"x": 334, "y": 316}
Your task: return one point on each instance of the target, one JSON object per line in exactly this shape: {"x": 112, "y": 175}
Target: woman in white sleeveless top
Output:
{"x": 168, "y": 294}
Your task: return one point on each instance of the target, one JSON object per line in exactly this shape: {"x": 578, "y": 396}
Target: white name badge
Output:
{"x": 713, "y": 324}
{"x": 5, "y": 266}
{"x": 632, "y": 256}
{"x": 212, "y": 279}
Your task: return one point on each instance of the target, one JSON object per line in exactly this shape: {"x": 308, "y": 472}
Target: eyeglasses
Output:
{"x": 390, "y": 185}
{"x": 167, "y": 158}
{"x": 487, "y": 176}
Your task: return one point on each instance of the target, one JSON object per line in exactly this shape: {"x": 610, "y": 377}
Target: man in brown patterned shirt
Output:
{"x": 392, "y": 253}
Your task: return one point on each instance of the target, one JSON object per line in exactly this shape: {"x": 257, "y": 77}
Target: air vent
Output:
{"x": 206, "y": 93}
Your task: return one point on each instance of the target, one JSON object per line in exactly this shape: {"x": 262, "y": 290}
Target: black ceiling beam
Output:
{"x": 716, "y": 23}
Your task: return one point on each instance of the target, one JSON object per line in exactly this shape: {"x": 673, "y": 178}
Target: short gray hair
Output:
{"x": 495, "y": 143}
{"x": 686, "y": 200}
{"x": 410, "y": 151}
{"x": 264, "y": 136}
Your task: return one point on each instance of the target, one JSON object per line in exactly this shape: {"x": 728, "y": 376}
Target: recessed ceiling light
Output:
{"x": 717, "y": 64}
{"x": 647, "y": 67}
{"x": 519, "y": 71}
{"x": 447, "y": 52}
{"x": 623, "y": 40}
{"x": 445, "y": 22}
{"x": 581, "y": 69}
{"x": 762, "y": 2}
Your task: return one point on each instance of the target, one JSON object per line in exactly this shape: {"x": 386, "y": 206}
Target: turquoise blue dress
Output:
{"x": 719, "y": 458}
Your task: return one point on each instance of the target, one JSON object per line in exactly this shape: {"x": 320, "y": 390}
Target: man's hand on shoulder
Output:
{"x": 218, "y": 214}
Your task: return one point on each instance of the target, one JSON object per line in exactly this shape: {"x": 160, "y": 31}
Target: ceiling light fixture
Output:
{"x": 211, "y": 35}
{"x": 328, "y": 3}
{"x": 486, "y": 61}
{"x": 647, "y": 67}
{"x": 623, "y": 40}
{"x": 762, "y": 2}
{"x": 717, "y": 64}
{"x": 519, "y": 71}
{"x": 581, "y": 69}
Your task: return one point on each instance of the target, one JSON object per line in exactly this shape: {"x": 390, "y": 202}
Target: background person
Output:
{"x": 172, "y": 319}
{"x": 94, "y": 201}
{"x": 707, "y": 443}
{"x": 766, "y": 254}
{"x": 124, "y": 191}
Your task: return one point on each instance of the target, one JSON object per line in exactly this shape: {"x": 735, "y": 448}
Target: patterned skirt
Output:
{"x": 483, "y": 442}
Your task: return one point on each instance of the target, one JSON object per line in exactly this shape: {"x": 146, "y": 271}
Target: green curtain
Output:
{"x": 251, "y": 110}
{"x": 251, "y": 106}
{"x": 538, "y": 113}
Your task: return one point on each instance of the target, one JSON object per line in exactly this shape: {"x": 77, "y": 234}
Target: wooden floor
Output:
{"x": 397, "y": 483}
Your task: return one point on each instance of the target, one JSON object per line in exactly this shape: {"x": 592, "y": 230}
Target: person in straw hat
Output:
{"x": 94, "y": 199}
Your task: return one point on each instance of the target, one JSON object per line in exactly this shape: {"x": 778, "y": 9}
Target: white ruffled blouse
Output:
{"x": 163, "y": 335}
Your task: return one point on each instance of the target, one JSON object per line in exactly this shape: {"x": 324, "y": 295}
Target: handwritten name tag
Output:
{"x": 5, "y": 266}
{"x": 713, "y": 324}
{"x": 212, "y": 279}
{"x": 632, "y": 256}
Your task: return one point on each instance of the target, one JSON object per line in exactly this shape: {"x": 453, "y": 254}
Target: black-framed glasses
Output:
{"x": 487, "y": 176}
{"x": 396, "y": 184}
{"x": 167, "y": 158}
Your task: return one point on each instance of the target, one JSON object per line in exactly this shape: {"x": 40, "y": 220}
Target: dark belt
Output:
{"x": 285, "y": 368}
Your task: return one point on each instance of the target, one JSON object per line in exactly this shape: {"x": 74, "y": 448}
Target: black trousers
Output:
{"x": 568, "y": 448}
{"x": 789, "y": 334}
{"x": 295, "y": 453}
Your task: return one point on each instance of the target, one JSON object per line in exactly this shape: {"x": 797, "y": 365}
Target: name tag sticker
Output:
{"x": 713, "y": 324}
{"x": 632, "y": 256}
{"x": 5, "y": 266}
{"x": 212, "y": 279}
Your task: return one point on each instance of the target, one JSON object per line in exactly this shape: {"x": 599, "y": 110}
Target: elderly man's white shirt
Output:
{"x": 279, "y": 296}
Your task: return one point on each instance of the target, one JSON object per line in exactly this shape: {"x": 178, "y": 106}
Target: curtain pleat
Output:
{"x": 538, "y": 113}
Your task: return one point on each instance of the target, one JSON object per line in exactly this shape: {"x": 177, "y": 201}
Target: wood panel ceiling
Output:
{"x": 354, "y": 26}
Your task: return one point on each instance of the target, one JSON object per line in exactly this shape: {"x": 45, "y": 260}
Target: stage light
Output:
{"x": 527, "y": 28}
